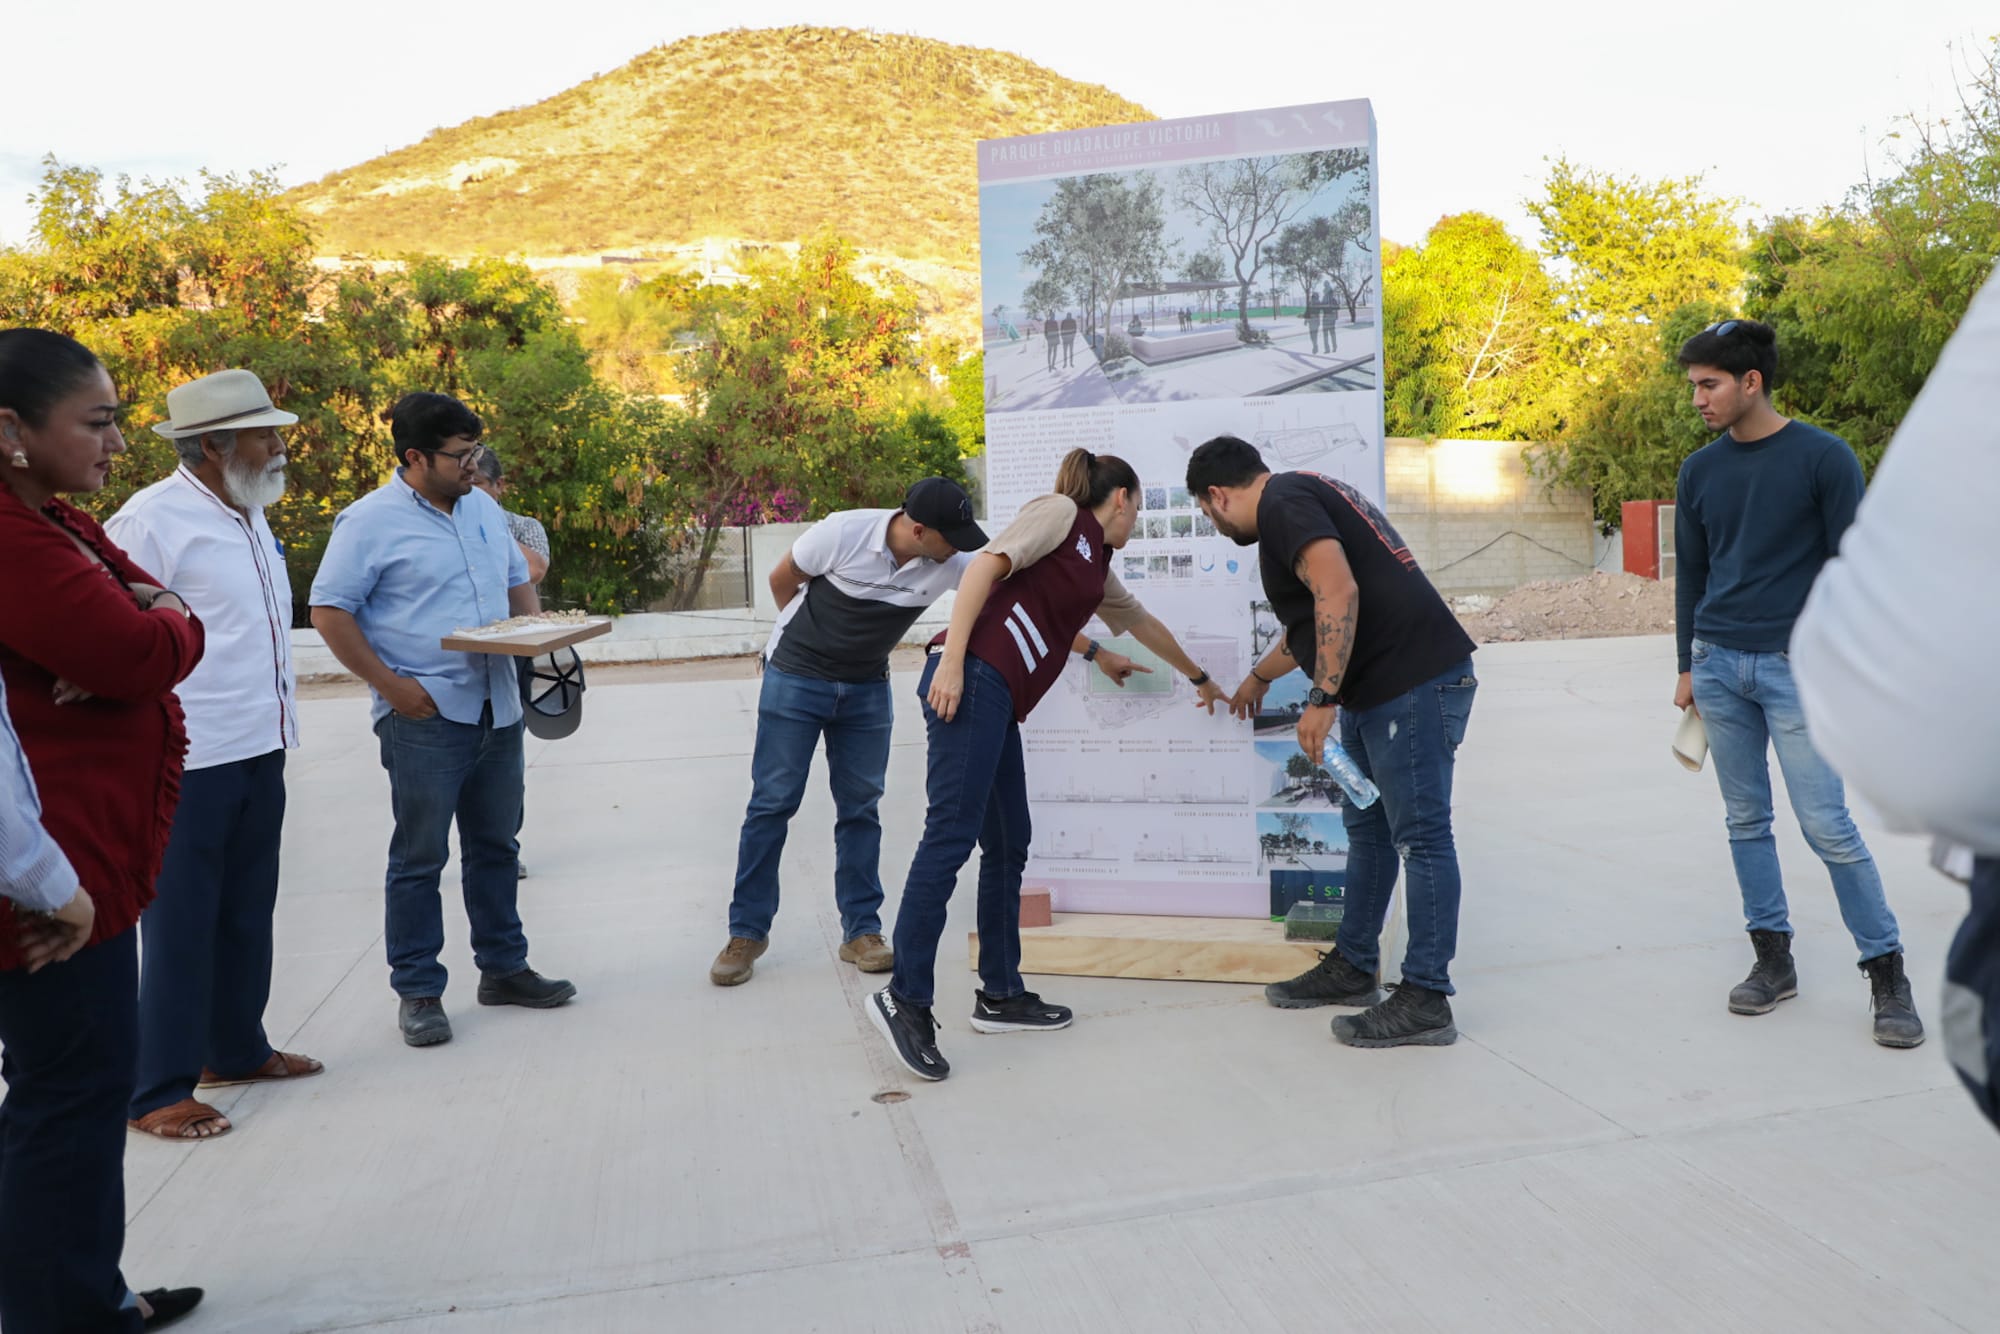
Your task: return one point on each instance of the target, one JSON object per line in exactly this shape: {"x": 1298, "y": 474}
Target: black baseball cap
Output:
{"x": 942, "y": 505}
{"x": 552, "y": 694}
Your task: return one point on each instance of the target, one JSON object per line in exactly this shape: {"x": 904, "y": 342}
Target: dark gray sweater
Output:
{"x": 1752, "y": 526}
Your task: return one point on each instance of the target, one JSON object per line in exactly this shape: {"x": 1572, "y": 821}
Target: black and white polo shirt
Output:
{"x": 859, "y": 603}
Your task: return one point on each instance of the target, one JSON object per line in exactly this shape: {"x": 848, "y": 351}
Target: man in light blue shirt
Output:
{"x": 33, "y": 871}
{"x": 407, "y": 565}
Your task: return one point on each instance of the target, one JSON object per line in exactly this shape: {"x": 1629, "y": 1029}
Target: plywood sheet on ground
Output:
{"x": 1173, "y": 949}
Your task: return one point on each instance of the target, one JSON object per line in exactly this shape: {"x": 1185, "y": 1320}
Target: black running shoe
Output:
{"x": 1025, "y": 1013}
{"x": 1331, "y": 981}
{"x": 911, "y": 1031}
{"x": 1411, "y": 1017}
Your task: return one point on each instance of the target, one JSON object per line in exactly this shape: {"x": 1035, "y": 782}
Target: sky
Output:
{"x": 1783, "y": 104}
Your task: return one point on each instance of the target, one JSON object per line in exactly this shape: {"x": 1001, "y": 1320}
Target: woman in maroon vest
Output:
{"x": 1019, "y": 609}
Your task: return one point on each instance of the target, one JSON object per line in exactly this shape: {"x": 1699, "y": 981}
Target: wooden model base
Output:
{"x": 1174, "y": 949}
{"x": 529, "y": 643}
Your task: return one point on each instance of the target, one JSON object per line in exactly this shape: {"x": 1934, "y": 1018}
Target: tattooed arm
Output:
{"x": 1322, "y": 567}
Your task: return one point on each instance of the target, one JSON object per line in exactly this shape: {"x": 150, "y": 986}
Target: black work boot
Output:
{"x": 423, "y": 1021}
{"x": 1331, "y": 981}
{"x": 1896, "y": 1022}
{"x": 1771, "y": 980}
{"x": 1412, "y": 1016}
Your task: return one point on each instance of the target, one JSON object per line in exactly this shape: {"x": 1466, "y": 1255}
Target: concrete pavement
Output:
{"x": 1606, "y": 1148}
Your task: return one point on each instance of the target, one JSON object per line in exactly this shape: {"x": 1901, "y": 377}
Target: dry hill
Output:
{"x": 761, "y": 136}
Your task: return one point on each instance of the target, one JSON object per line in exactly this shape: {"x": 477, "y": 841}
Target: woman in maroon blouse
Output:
{"x": 1019, "y": 608}
{"x": 91, "y": 649}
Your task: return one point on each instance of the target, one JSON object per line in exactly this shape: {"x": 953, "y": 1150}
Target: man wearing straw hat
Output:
{"x": 206, "y": 972}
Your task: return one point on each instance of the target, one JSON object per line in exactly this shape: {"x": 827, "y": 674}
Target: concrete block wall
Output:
{"x": 1478, "y": 523}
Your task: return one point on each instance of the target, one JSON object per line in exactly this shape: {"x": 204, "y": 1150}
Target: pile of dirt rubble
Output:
{"x": 1593, "y": 607}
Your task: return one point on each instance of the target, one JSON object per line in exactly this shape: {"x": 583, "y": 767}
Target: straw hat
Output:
{"x": 224, "y": 401}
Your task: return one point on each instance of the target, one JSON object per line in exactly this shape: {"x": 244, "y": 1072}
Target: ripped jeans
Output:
{"x": 1408, "y": 747}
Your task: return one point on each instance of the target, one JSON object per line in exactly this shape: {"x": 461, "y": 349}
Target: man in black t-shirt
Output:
{"x": 1374, "y": 637}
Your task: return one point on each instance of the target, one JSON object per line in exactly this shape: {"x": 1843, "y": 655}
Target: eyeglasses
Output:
{"x": 464, "y": 458}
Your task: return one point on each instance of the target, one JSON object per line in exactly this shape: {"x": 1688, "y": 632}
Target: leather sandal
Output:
{"x": 282, "y": 1065}
{"x": 177, "y": 1121}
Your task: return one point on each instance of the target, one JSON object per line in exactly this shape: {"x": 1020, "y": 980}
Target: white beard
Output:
{"x": 252, "y": 488}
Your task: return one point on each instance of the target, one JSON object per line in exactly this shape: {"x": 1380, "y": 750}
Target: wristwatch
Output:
{"x": 1198, "y": 681}
{"x": 1319, "y": 699}
{"x": 1090, "y": 654}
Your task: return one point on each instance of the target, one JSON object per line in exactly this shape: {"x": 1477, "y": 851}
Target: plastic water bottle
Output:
{"x": 1360, "y": 791}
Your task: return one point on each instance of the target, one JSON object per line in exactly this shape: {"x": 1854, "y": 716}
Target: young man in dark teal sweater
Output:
{"x": 1758, "y": 511}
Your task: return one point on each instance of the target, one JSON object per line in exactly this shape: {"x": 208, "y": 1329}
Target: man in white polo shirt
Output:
{"x": 206, "y": 964}
{"x": 866, "y": 576}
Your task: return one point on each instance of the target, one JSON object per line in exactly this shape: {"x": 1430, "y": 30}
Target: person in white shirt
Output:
{"x": 1894, "y": 656}
{"x": 846, "y": 591}
{"x": 206, "y": 965}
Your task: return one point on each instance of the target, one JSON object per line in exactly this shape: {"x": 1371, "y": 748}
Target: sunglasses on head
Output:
{"x": 1724, "y": 329}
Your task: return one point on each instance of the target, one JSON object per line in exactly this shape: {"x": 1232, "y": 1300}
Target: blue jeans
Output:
{"x": 978, "y": 788}
{"x": 1749, "y": 705}
{"x": 793, "y": 712}
{"x": 207, "y": 971}
{"x": 1408, "y": 747}
{"x": 441, "y": 771}
{"x": 68, "y": 1038}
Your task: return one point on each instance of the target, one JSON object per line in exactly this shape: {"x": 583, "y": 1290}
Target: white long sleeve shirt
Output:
{"x": 227, "y": 566}
{"x": 1897, "y": 654}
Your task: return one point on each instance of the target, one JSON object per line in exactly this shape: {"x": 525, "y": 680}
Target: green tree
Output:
{"x": 800, "y": 402}
{"x": 1864, "y": 295}
{"x": 966, "y": 383}
{"x": 632, "y": 331}
{"x": 1629, "y": 445}
{"x": 1632, "y": 251}
{"x": 166, "y": 284}
{"x": 1633, "y": 257}
{"x": 1467, "y": 341}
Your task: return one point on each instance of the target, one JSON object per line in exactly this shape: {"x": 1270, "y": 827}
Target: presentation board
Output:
{"x": 1146, "y": 288}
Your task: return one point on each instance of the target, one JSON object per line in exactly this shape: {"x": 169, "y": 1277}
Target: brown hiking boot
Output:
{"x": 737, "y": 961}
{"x": 871, "y": 954}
